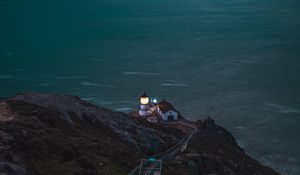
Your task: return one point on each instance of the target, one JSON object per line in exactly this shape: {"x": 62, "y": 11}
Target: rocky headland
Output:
{"x": 50, "y": 134}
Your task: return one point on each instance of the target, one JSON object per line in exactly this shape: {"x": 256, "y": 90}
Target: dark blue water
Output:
{"x": 236, "y": 60}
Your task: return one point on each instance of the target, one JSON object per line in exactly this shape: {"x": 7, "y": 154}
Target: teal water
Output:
{"x": 237, "y": 61}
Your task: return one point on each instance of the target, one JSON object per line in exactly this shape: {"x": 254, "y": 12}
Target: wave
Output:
{"x": 283, "y": 109}
{"x": 174, "y": 84}
{"x": 140, "y": 73}
{"x": 67, "y": 77}
{"x": 124, "y": 109}
{"x": 89, "y": 84}
{"x": 88, "y": 98}
{"x": 96, "y": 85}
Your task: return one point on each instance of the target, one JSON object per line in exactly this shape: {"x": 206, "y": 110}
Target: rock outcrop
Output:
{"x": 42, "y": 134}
{"x": 214, "y": 151}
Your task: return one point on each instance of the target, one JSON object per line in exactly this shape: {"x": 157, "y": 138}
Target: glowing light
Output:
{"x": 144, "y": 100}
{"x": 152, "y": 159}
{"x": 154, "y": 100}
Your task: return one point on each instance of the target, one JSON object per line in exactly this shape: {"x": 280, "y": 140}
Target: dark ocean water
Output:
{"x": 236, "y": 60}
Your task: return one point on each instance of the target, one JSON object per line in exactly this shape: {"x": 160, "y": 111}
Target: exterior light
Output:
{"x": 144, "y": 100}
{"x": 152, "y": 159}
{"x": 154, "y": 100}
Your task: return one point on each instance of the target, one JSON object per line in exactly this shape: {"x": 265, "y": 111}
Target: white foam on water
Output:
{"x": 124, "y": 109}
{"x": 283, "y": 109}
{"x": 96, "y": 85}
{"x": 241, "y": 143}
{"x": 88, "y": 98}
{"x": 174, "y": 84}
{"x": 234, "y": 62}
{"x": 172, "y": 81}
{"x": 140, "y": 73}
{"x": 67, "y": 77}
{"x": 89, "y": 84}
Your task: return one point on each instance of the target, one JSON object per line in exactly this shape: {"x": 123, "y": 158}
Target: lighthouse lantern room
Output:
{"x": 144, "y": 106}
{"x": 144, "y": 99}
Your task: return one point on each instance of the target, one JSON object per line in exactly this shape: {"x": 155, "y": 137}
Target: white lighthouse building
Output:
{"x": 155, "y": 112}
{"x": 166, "y": 111}
{"x": 145, "y": 105}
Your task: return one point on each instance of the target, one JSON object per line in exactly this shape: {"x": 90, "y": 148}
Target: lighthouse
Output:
{"x": 145, "y": 105}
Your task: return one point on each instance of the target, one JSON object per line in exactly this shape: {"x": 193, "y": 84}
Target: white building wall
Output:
{"x": 144, "y": 110}
{"x": 144, "y": 107}
{"x": 144, "y": 113}
{"x": 170, "y": 113}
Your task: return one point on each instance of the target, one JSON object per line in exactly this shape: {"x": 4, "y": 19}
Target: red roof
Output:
{"x": 165, "y": 106}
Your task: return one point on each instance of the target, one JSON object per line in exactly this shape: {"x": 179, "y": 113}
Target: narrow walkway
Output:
{"x": 173, "y": 151}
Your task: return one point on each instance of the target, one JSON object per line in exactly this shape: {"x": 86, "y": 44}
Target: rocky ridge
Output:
{"x": 51, "y": 134}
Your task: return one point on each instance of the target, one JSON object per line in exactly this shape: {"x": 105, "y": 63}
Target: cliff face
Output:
{"x": 57, "y": 134}
{"x": 44, "y": 134}
{"x": 214, "y": 151}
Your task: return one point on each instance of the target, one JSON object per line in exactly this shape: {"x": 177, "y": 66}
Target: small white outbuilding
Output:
{"x": 166, "y": 111}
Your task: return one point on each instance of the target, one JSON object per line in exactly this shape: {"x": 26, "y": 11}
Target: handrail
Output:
{"x": 173, "y": 150}
{"x": 158, "y": 155}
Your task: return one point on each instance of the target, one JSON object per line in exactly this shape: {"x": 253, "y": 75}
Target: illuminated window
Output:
{"x": 144, "y": 100}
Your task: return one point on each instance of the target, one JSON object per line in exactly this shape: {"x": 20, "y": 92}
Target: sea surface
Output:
{"x": 234, "y": 60}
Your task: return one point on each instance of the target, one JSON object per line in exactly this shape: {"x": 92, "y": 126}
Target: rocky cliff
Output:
{"x": 42, "y": 134}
